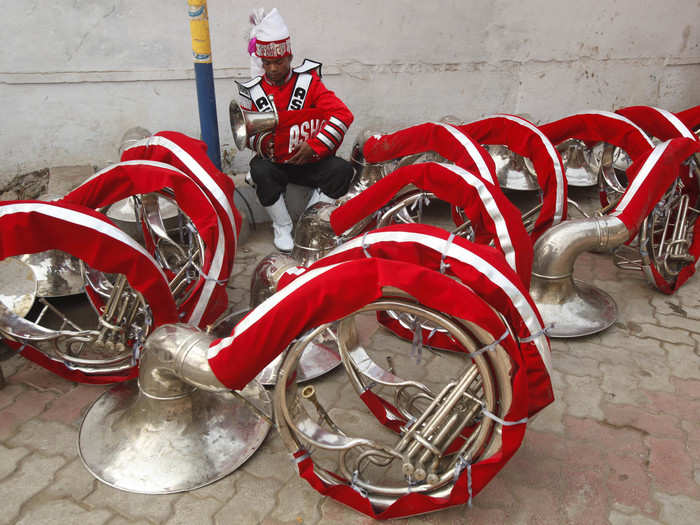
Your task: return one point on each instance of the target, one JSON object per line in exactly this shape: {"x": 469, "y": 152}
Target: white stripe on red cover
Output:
{"x": 639, "y": 179}
{"x": 676, "y": 123}
{"x": 471, "y": 149}
{"x": 558, "y": 171}
{"x": 492, "y": 209}
{"x": 458, "y": 252}
{"x": 616, "y": 116}
{"x": 264, "y": 308}
{"x": 81, "y": 219}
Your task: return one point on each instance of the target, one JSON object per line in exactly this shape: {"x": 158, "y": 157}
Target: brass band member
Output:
{"x": 313, "y": 123}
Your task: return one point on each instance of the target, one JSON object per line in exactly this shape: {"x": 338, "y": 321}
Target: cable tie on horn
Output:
{"x": 443, "y": 264}
{"x": 503, "y": 421}
{"x": 422, "y": 200}
{"x": 364, "y": 245}
{"x": 303, "y": 457}
{"x": 532, "y": 337}
{"x": 410, "y": 422}
{"x": 461, "y": 464}
{"x": 431, "y": 334}
{"x": 490, "y": 346}
{"x": 469, "y": 484}
{"x": 205, "y": 275}
{"x": 354, "y": 486}
{"x": 369, "y": 386}
{"x": 417, "y": 343}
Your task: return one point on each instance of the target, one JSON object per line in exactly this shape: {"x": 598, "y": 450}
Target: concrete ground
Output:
{"x": 619, "y": 446}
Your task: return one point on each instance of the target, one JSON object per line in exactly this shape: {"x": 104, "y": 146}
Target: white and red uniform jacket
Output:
{"x": 308, "y": 112}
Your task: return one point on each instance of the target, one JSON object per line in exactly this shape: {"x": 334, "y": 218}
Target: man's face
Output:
{"x": 277, "y": 69}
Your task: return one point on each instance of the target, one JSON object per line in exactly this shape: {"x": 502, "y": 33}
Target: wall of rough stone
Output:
{"x": 75, "y": 75}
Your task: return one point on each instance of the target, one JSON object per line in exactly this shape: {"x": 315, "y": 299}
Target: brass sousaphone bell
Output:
{"x": 246, "y": 123}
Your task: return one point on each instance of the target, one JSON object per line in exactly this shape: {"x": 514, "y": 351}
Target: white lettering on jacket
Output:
{"x": 299, "y": 133}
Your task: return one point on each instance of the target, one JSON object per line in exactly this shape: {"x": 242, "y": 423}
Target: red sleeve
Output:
{"x": 330, "y": 136}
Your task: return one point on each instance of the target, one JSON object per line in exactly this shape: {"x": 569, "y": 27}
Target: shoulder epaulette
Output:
{"x": 245, "y": 87}
{"x": 308, "y": 65}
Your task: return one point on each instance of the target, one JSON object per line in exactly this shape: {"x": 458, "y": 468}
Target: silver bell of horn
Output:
{"x": 177, "y": 428}
{"x": 246, "y": 123}
{"x": 571, "y": 307}
{"x": 58, "y": 273}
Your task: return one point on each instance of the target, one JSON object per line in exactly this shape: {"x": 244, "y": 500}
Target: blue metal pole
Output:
{"x": 204, "y": 78}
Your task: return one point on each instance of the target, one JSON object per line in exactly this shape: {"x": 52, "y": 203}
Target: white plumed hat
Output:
{"x": 271, "y": 36}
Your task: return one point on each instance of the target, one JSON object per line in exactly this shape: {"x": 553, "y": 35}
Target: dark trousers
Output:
{"x": 331, "y": 175}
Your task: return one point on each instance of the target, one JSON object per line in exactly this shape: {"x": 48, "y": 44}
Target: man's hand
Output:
{"x": 270, "y": 148}
{"x": 303, "y": 155}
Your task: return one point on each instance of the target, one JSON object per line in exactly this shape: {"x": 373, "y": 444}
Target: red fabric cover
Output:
{"x": 481, "y": 472}
{"x": 597, "y": 126}
{"x": 481, "y": 314}
{"x": 190, "y": 155}
{"x": 525, "y": 139}
{"x": 130, "y": 178}
{"x": 38, "y": 226}
{"x": 41, "y": 359}
{"x": 483, "y": 203}
{"x": 690, "y": 117}
{"x": 650, "y": 177}
{"x": 312, "y": 299}
{"x": 481, "y": 268}
{"x": 656, "y": 122}
{"x": 444, "y": 139}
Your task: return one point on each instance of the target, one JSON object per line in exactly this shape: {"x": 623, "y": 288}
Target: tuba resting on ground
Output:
{"x": 190, "y": 253}
{"x": 68, "y": 337}
{"x": 660, "y": 208}
{"x": 428, "y": 428}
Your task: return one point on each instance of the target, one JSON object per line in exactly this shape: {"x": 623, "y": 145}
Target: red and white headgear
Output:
{"x": 271, "y": 36}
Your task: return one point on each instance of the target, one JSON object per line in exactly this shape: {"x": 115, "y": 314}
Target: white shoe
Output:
{"x": 249, "y": 180}
{"x": 319, "y": 196}
{"x": 281, "y": 225}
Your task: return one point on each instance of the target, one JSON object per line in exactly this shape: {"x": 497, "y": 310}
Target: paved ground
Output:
{"x": 620, "y": 446}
